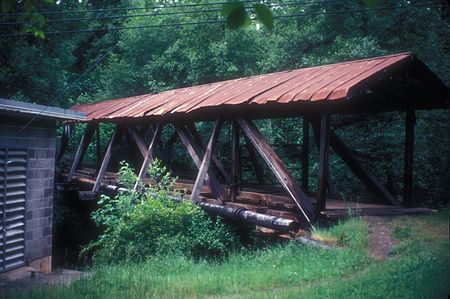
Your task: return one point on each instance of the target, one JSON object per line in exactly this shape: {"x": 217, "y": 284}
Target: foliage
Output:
{"x": 138, "y": 225}
{"x": 288, "y": 271}
{"x": 154, "y": 59}
{"x": 350, "y": 233}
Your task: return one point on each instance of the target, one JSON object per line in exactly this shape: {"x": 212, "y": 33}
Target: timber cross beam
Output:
{"x": 278, "y": 168}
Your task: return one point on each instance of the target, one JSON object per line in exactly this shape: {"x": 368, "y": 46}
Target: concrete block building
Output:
{"x": 27, "y": 170}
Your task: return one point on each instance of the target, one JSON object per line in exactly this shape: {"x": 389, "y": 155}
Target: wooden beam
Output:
{"x": 323, "y": 163}
{"x": 235, "y": 162}
{"x": 84, "y": 143}
{"x": 98, "y": 150}
{"x": 148, "y": 157}
{"x": 195, "y": 153}
{"x": 206, "y": 160}
{"x": 409, "y": 158}
{"x": 198, "y": 140}
{"x": 305, "y": 155}
{"x": 64, "y": 141}
{"x": 278, "y": 168}
{"x": 316, "y": 123}
{"x": 106, "y": 158}
{"x": 138, "y": 141}
{"x": 367, "y": 177}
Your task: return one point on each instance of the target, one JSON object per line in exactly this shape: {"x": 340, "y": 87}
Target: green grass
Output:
{"x": 418, "y": 267}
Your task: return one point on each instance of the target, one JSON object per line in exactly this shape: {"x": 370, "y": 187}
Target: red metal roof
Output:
{"x": 322, "y": 83}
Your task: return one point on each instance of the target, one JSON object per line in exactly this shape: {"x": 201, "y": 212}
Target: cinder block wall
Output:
{"x": 39, "y": 139}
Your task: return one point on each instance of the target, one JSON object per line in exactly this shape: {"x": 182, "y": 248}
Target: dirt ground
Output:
{"x": 26, "y": 278}
{"x": 380, "y": 236}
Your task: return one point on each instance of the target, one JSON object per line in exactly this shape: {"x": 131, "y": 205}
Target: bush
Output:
{"x": 138, "y": 225}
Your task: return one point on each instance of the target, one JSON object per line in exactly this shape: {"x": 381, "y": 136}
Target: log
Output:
{"x": 240, "y": 214}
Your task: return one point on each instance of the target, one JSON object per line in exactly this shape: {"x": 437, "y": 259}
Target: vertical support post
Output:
{"x": 64, "y": 141}
{"x": 148, "y": 156}
{"x": 84, "y": 143}
{"x": 235, "y": 160}
{"x": 101, "y": 172}
{"x": 323, "y": 162}
{"x": 305, "y": 155}
{"x": 98, "y": 146}
{"x": 409, "y": 157}
{"x": 201, "y": 176}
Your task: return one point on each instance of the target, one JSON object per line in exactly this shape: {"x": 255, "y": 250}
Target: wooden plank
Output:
{"x": 198, "y": 140}
{"x": 206, "y": 160}
{"x": 235, "y": 162}
{"x": 305, "y": 155}
{"x": 138, "y": 141}
{"x": 195, "y": 153}
{"x": 409, "y": 158}
{"x": 106, "y": 158}
{"x": 278, "y": 168}
{"x": 148, "y": 156}
{"x": 323, "y": 163}
{"x": 359, "y": 169}
{"x": 84, "y": 143}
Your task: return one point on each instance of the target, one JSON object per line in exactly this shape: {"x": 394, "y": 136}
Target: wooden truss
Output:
{"x": 209, "y": 166}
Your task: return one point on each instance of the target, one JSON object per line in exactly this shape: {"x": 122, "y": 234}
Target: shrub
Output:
{"x": 138, "y": 225}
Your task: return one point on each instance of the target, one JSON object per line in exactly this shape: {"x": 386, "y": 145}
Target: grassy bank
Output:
{"x": 417, "y": 267}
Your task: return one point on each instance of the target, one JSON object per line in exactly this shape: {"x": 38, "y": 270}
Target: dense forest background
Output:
{"x": 157, "y": 56}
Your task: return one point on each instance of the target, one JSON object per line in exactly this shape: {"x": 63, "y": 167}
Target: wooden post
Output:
{"x": 98, "y": 149}
{"x": 305, "y": 155}
{"x": 235, "y": 162}
{"x": 198, "y": 140}
{"x": 101, "y": 172}
{"x": 359, "y": 169}
{"x": 323, "y": 163}
{"x": 195, "y": 154}
{"x": 409, "y": 157}
{"x": 206, "y": 160}
{"x": 148, "y": 158}
{"x": 278, "y": 168}
{"x": 64, "y": 141}
{"x": 84, "y": 143}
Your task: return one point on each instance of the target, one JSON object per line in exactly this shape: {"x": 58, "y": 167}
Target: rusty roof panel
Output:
{"x": 332, "y": 82}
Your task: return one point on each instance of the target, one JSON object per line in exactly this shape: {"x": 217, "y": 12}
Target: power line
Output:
{"x": 125, "y": 8}
{"x": 212, "y": 21}
{"x": 59, "y": 95}
{"x": 285, "y": 4}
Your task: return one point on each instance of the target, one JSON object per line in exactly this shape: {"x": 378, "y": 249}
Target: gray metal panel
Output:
{"x": 10, "y": 106}
{"x": 13, "y": 167}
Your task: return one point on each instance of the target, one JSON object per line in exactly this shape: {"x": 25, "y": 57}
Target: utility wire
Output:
{"x": 59, "y": 95}
{"x": 213, "y": 21}
{"x": 126, "y": 8}
{"x": 94, "y": 18}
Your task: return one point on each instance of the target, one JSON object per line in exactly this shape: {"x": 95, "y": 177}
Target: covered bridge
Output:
{"x": 399, "y": 82}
